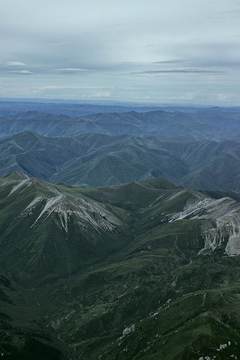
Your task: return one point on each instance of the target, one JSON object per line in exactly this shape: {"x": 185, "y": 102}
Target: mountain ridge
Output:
{"x": 98, "y": 160}
{"x": 197, "y": 124}
{"x": 164, "y": 239}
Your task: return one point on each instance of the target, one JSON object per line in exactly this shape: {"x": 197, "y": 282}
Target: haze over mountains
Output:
{"x": 194, "y": 123}
{"x": 119, "y": 233}
{"x": 196, "y": 147}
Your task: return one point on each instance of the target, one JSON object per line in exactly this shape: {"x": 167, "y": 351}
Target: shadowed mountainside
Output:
{"x": 125, "y": 244}
{"x": 98, "y": 160}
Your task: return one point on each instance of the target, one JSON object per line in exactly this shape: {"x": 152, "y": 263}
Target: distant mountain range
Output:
{"x": 100, "y": 160}
{"x": 198, "y": 124}
{"x": 69, "y": 108}
{"x": 119, "y": 232}
{"x": 139, "y": 271}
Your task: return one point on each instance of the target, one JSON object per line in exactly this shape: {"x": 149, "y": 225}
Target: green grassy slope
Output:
{"x": 138, "y": 271}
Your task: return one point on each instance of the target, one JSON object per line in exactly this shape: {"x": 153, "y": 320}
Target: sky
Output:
{"x": 174, "y": 51}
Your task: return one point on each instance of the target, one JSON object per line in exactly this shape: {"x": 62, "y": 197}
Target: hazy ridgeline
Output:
{"x": 119, "y": 232}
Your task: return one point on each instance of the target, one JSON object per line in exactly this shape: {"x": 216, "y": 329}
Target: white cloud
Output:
{"x": 22, "y": 72}
{"x": 71, "y": 70}
{"x": 15, "y": 63}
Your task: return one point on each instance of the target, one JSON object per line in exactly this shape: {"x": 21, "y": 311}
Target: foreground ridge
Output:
{"x": 82, "y": 262}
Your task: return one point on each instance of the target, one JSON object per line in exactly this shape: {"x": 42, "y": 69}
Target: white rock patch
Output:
{"x": 223, "y": 219}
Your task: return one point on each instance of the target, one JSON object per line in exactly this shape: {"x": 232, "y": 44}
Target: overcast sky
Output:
{"x": 177, "y": 51}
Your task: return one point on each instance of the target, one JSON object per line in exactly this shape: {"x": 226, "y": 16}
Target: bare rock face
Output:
{"x": 53, "y": 227}
{"x": 221, "y": 222}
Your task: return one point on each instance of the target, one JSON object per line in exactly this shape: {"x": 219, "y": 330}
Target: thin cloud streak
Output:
{"x": 15, "y": 63}
{"x": 179, "y": 71}
{"x": 21, "y": 72}
{"x": 72, "y": 70}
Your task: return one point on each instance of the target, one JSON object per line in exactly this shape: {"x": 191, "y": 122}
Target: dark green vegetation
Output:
{"x": 20, "y": 339}
{"x": 139, "y": 271}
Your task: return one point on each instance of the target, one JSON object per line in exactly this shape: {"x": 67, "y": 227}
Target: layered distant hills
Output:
{"x": 206, "y": 123}
{"x": 98, "y": 160}
{"x": 196, "y": 147}
{"x": 119, "y": 232}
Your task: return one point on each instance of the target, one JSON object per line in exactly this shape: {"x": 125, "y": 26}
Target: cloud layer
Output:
{"x": 138, "y": 50}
